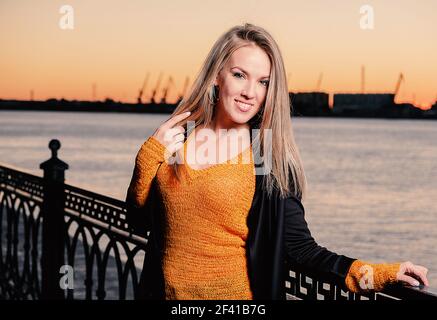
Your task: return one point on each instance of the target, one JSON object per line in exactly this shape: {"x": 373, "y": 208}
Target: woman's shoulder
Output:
{"x": 276, "y": 194}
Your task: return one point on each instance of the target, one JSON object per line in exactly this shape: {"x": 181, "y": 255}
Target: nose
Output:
{"x": 248, "y": 91}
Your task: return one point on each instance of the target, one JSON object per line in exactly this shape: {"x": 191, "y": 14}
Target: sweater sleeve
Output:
{"x": 147, "y": 162}
{"x": 365, "y": 277}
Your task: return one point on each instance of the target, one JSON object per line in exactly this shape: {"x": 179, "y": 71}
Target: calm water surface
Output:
{"x": 372, "y": 183}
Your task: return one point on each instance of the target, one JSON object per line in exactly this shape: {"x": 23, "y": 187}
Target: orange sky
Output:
{"x": 115, "y": 43}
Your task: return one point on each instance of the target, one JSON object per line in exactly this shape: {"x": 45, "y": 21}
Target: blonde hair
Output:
{"x": 287, "y": 173}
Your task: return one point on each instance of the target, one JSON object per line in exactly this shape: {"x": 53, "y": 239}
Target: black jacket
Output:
{"x": 278, "y": 236}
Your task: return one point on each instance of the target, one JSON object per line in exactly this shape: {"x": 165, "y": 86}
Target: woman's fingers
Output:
{"x": 411, "y": 273}
{"x": 175, "y": 146}
{"x": 173, "y": 134}
{"x": 420, "y": 272}
{"x": 170, "y": 123}
{"x": 169, "y": 134}
{"x": 409, "y": 280}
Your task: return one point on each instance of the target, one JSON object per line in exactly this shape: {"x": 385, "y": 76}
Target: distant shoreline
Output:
{"x": 386, "y": 112}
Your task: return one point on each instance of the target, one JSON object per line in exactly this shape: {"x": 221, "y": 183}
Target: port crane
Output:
{"x": 319, "y": 82}
{"x": 398, "y": 84}
{"x": 143, "y": 89}
{"x": 170, "y": 84}
{"x": 158, "y": 83}
{"x": 184, "y": 90}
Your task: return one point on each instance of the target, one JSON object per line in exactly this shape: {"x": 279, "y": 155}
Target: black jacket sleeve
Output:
{"x": 305, "y": 254}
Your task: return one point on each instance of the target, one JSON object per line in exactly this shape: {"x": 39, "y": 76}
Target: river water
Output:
{"x": 372, "y": 182}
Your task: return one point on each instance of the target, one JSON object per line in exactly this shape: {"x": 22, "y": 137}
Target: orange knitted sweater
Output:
{"x": 204, "y": 256}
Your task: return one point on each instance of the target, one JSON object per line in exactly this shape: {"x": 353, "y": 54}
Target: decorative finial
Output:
{"x": 54, "y": 145}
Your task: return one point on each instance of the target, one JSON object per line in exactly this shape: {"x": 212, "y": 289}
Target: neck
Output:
{"x": 217, "y": 125}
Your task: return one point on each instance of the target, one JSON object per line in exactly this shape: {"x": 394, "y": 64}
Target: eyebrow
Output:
{"x": 247, "y": 72}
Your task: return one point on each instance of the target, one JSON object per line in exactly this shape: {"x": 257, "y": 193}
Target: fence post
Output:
{"x": 53, "y": 229}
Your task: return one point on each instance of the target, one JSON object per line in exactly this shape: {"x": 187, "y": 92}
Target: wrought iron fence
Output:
{"x": 45, "y": 224}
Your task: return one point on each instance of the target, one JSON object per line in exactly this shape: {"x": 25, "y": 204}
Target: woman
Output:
{"x": 220, "y": 228}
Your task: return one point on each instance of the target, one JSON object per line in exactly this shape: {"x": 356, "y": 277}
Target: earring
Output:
{"x": 214, "y": 94}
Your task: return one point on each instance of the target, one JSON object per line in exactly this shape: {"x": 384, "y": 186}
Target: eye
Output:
{"x": 238, "y": 75}
{"x": 265, "y": 83}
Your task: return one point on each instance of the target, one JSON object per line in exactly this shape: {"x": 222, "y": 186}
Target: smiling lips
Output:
{"x": 244, "y": 107}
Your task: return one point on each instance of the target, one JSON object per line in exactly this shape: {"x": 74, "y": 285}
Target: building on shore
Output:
{"x": 310, "y": 103}
{"x": 362, "y": 104}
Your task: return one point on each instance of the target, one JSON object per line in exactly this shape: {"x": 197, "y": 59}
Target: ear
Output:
{"x": 217, "y": 79}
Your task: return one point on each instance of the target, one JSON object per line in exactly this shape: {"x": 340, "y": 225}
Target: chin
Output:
{"x": 239, "y": 119}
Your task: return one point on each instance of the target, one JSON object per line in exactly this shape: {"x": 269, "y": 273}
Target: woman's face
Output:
{"x": 243, "y": 84}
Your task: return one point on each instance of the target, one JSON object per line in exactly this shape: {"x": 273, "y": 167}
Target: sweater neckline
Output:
{"x": 213, "y": 166}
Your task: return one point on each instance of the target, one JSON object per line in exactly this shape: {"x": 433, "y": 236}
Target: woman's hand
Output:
{"x": 170, "y": 135}
{"x": 409, "y": 273}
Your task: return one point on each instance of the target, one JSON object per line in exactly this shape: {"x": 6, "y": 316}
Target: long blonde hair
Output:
{"x": 275, "y": 114}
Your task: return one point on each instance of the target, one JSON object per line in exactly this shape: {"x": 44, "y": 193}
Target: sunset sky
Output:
{"x": 115, "y": 43}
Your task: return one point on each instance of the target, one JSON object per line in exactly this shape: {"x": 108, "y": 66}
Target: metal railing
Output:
{"x": 47, "y": 226}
